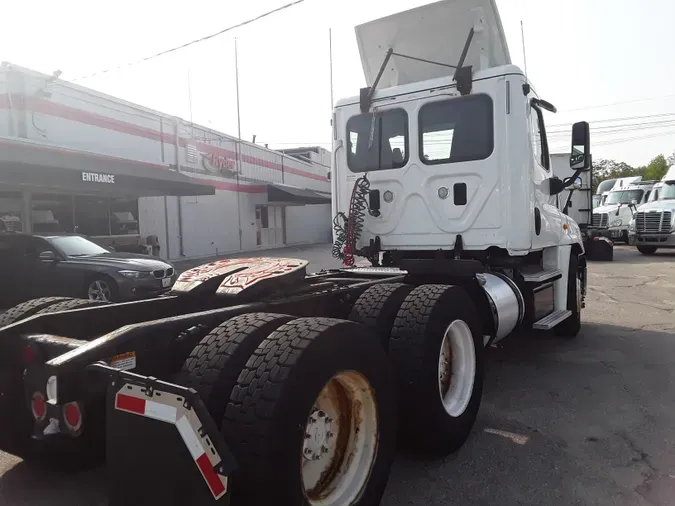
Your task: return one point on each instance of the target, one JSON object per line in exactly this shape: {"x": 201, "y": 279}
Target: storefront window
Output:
{"x": 10, "y": 212}
{"x": 86, "y": 215}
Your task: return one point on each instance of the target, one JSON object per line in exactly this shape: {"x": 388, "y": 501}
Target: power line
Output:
{"x": 609, "y": 120}
{"x": 626, "y": 139}
{"x": 619, "y": 103}
{"x": 202, "y": 39}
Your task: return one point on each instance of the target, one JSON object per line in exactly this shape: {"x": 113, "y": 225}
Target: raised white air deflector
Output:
{"x": 540, "y": 275}
{"x": 435, "y": 32}
{"x": 550, "y": 321}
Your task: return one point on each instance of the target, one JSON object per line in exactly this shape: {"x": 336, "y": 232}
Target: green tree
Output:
{"x": 671, "y": 160}
{"x": 610, "y": 169}
{"x": 656, "y": 169}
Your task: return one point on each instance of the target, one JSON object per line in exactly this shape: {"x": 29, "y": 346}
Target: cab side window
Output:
{"x": 539, "y": 141}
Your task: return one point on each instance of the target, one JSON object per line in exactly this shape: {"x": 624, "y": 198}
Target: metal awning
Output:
{"x": 293, "y": 196}
{"x": 34, "y": 165}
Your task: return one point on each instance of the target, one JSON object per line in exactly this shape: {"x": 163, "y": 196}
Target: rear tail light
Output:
{"x": 72, "y": 416}
{"x": 38, "y": 406}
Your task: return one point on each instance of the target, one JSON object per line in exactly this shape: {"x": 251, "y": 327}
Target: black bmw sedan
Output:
{"x": 70, "y": 265}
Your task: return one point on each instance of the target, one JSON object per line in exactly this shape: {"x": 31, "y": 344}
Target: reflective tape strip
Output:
{"x": 147, "y": 408}
{"x": 160, "y": 411}
{"x": 217, "y": 483}
{"x": 191, "y": 440}
{"x": 129, "y": 403}
{"x": 167, "y": 413}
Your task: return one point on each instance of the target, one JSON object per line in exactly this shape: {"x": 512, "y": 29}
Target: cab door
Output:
{"x": 548, "y": 219}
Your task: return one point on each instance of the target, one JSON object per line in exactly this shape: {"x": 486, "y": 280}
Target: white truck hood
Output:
{"x": 658, "y": 205}
{"x": 435, "y": 32}
{"x": 607, "y": 209}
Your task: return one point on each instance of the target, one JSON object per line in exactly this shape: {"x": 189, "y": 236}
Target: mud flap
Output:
{"x": 163, "y": 447}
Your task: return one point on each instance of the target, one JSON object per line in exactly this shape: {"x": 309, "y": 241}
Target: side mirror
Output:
{"x": 577, "y": 184}
{"x": 48, "y": 256}
{"x": 580, "y": 158}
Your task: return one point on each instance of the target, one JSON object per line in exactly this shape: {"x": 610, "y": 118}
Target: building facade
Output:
{"x": 75, "y": 160}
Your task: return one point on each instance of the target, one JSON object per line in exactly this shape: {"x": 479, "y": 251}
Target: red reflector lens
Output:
{"x": 72, "y": 416}
{"x": 38, "y": 406}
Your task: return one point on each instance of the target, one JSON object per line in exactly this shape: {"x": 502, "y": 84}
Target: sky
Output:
{"x": 608, "y": 62}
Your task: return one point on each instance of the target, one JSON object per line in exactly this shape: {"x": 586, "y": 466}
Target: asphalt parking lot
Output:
{"x": 569, "y": 422}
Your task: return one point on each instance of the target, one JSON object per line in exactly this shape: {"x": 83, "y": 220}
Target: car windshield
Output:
{"x": 624, "y": 196}
{"x": 667, "y": 192}
{"x": 76, "y": 246}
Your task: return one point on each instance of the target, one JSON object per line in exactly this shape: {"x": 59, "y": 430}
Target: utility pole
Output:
{"x": 238, "y": 150}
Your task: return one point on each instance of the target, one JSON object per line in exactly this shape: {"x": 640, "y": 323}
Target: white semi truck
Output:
{"x": 653, "y": 225}
{"x": 257, "y": 383}
{"x": 613, "y": 217}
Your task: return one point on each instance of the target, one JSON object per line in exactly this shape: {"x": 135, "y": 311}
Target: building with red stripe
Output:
{"x": 76, "y": 160}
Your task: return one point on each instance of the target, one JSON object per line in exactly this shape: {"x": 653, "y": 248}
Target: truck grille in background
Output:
{"x": 600, "y": 220}
{"x": 653, "y": 222}
{"x": 161, "y": 273}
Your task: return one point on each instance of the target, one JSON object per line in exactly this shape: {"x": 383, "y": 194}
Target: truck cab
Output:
{"x": 444, "y": 158}
{"x": 446, "y": 166}
{"x": 613, "y": 217}
{"x": 653, "y": 225}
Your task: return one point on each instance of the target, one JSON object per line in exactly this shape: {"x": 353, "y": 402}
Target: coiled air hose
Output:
{"x": 348, "y": 228}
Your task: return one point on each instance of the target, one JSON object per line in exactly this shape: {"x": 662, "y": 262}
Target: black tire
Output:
{"x": 572, "y": 325}
{"x": 415, "y": 348}
{"x": 69, "y": 304}
{"x": 266, "y": 418}
{"x": 377, "y": 307}
{"x": 214, "y": 365}
{"x": 624, "y": 237}
{"x": 647, "y": 250}
{"x": 28, "y": 308}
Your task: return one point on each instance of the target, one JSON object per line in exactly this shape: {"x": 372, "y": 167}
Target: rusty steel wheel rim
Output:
{"x": 340, "y": 441}
{"x": 456, "y": 368}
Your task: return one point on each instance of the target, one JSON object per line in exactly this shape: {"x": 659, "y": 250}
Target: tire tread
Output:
{"x": 28, "y": 308}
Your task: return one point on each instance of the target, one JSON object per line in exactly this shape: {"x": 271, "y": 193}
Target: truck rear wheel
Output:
{"x": 377, "y": 307}
{"x": 214, "y": 365}
{"x": 437, "y": 351}
{"x": 28, "y": 308}
{"x": 313, "y": 417}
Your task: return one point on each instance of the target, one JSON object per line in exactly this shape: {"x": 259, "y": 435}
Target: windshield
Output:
{"x": 76, "y": 246}
{"x": 667, "y": 192}
{"x": 624, "y": 196}
{"x": 605, "y": 186}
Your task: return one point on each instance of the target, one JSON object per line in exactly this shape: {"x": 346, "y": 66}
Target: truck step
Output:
{"x": 539, "y": 275}
{"x": 550, "y": 321}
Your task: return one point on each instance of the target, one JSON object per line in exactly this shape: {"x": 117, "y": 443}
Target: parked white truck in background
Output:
{"x": 612, "y": 218}
{"x": 653, "y": 225}
{"x": 602, "y": 191}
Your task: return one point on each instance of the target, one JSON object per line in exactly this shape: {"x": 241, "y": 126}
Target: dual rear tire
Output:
{"x": 306, "y": 405}
{"x": 435, "y": 345}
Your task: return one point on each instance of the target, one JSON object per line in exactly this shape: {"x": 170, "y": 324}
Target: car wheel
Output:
{"x": 101, "y": 289}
